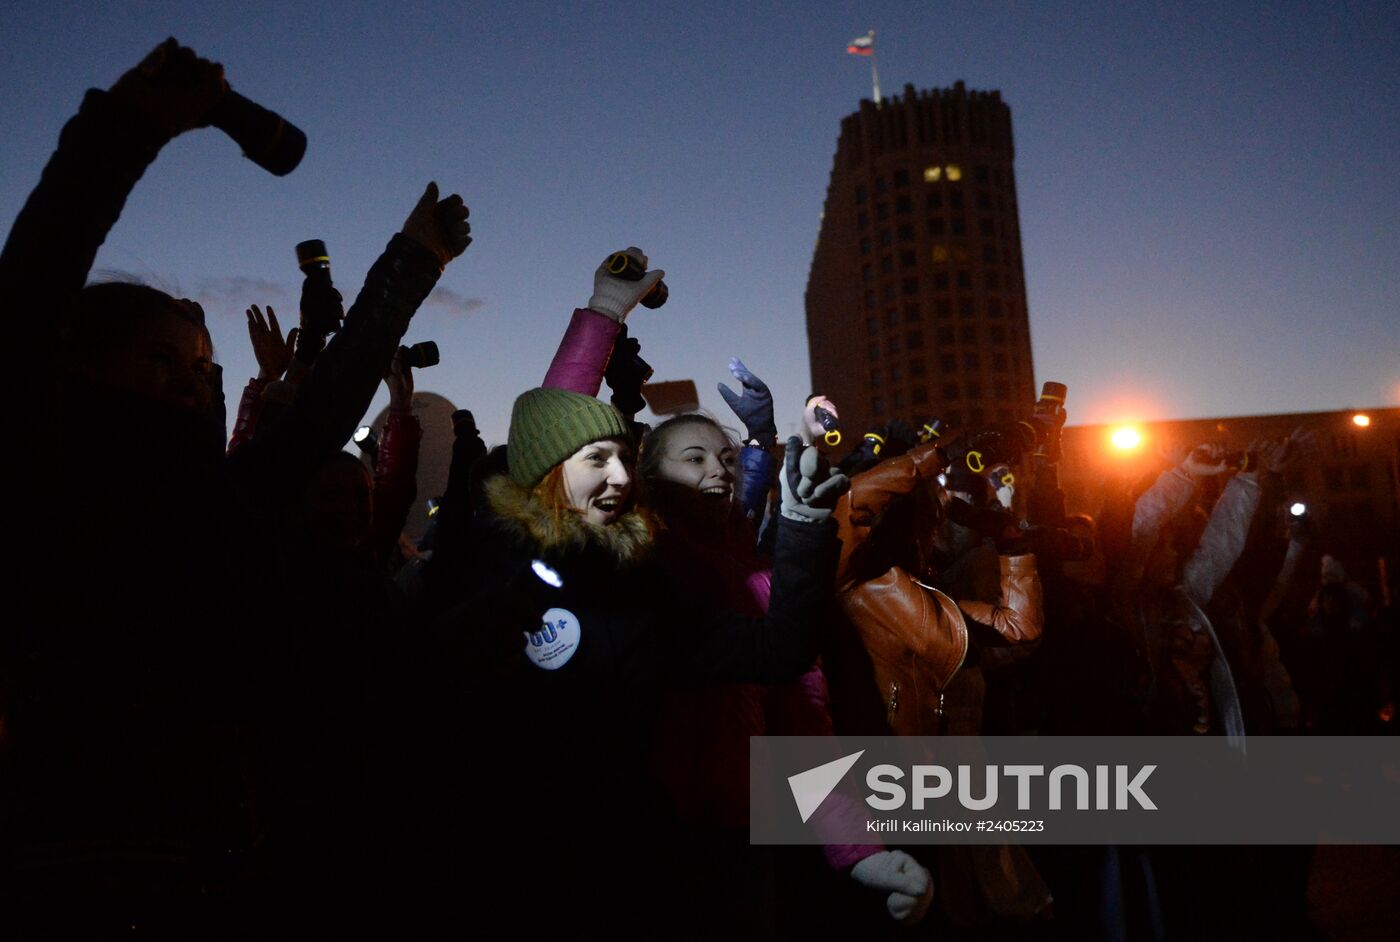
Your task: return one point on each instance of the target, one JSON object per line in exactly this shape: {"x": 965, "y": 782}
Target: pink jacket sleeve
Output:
{"x": 249, "y": 407}
{"x": 583, "y": 354}
{"x": 395, "y": 480}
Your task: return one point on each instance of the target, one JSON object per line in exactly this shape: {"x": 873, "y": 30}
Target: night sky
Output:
{"x": 1209, "y": 195}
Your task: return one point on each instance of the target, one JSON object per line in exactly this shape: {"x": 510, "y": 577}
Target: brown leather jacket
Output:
{"x": 910, "y": 639}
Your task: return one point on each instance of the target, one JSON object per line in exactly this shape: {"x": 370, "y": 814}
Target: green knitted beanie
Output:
{"x": 549, "y": 425}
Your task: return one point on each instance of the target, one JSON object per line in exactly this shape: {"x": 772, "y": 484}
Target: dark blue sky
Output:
{"x": 1210, "y": 202}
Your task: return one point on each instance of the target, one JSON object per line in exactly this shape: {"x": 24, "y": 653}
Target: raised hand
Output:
{"x": 440, "y": 226}
{"x": 173, "y": 88}
{"x": 754, "y": 407}
{"x": 615, "y": 296}
{"x": 273, "y": 352}
{"x": 810, "y": 489}
{"x": 1205, "y": 461}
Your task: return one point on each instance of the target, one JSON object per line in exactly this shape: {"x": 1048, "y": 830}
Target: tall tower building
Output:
{"x": 916, "y": 301}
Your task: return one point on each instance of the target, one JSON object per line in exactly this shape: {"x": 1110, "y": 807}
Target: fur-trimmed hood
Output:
{"x": 520, "y": 515}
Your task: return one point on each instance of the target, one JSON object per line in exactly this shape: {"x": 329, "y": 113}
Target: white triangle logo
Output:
{"x": 810, "y": 788}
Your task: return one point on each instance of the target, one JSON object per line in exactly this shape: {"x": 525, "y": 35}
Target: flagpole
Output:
{"x": 874, "y": 74}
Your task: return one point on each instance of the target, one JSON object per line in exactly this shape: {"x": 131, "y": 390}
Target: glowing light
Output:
{"x": 954, "y": 172}
{"x": 1126, "y": 438}
{"x": 546, "y": 574}
{"x": 1298, "y": 509}
{"x": 931, "y": 174}
{"x": 1361, "y": 420}
{"x": 362, "y": 433}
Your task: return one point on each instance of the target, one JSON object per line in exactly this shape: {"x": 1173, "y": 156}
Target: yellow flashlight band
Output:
{"x": 832, "y": 438}
{"x": 977, "y": 468}
{"x": 617, "y": 263}
{"x": 878, "y": 440}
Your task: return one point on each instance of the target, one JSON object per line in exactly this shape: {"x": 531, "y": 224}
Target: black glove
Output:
{"x": 626, "y": 374}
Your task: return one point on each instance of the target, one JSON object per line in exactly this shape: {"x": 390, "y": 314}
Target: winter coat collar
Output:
{"x": 520, "y": 515}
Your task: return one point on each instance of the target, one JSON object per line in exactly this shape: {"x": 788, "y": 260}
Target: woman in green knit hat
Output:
{"x": 568, "y": 634}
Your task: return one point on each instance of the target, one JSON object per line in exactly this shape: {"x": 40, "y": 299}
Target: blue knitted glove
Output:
{"x": 754, "y": 408}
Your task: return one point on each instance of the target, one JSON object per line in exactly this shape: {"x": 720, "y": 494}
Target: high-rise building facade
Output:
{"x": 916, "y": 301}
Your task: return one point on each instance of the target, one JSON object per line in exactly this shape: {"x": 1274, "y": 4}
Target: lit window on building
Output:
{"x": 933, "y": 174}
{"x": 940, "y": 253}
{"x": 953, "y": 172}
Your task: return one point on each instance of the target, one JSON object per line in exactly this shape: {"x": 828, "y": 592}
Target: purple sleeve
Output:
{"x": 583, "y": 354}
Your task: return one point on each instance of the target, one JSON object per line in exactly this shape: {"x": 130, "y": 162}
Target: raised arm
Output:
{"x": 583, "y": 354}
{"x": 783, "y": 645}
{"x": 337, "y": 392}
